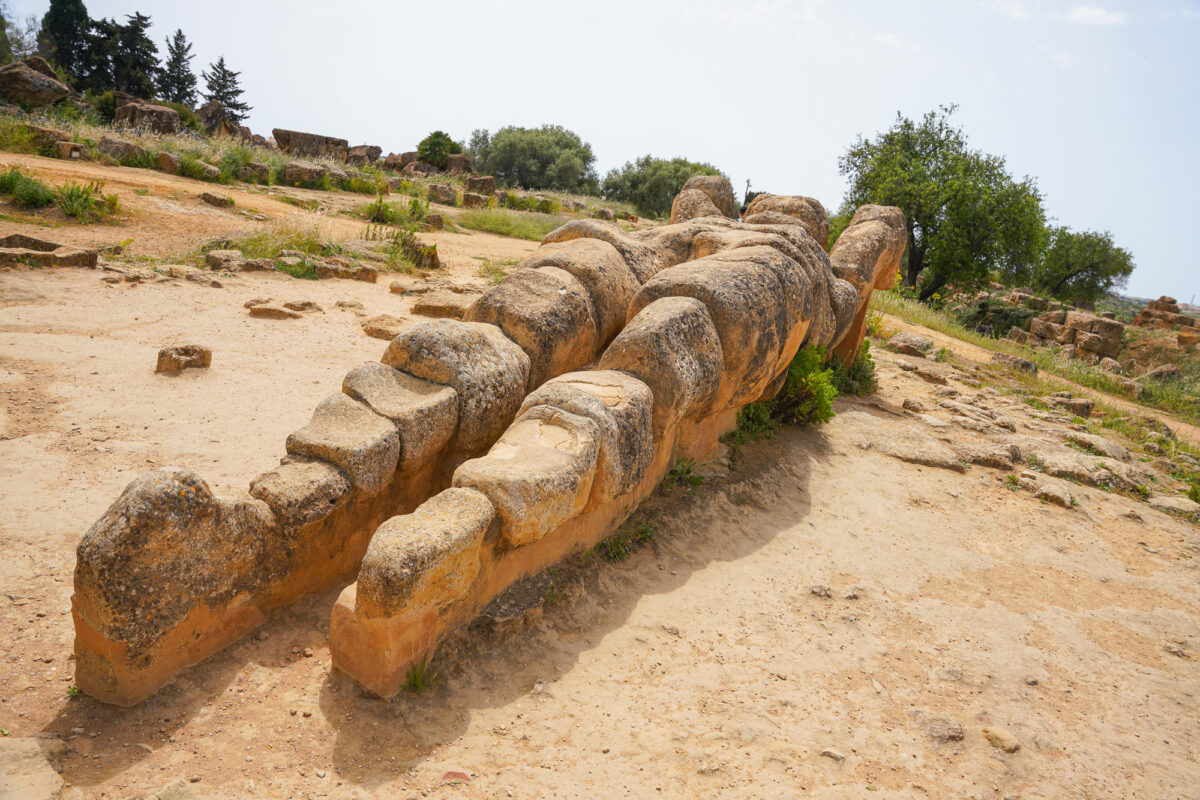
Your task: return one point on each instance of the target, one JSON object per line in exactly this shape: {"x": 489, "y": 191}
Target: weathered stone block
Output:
{"x": 597, "y": 265}
{"x": 623, "y": 409}
{"x": 428, "y": 557}
{"x": 488, "y": 371}
{"x": 425, "y": 414}
{"x": 548, "y": 313}
{"x": 538, "y": 475}
{"x": 352, "y": 437}
{"x": 672, "y": 346}
{"x": 302, "y": 492}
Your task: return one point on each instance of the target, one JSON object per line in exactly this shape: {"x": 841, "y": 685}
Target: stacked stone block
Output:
{"x": 1083, "y": 336}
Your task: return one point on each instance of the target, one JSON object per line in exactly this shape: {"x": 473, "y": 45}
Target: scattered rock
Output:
{"x": 1015, "y": 362}
{"x": 443, "y": 193}
{"x": 224, "y": 259}
{"x": 911, "y": 404}
{"x": 350, "y": 305}
{"x": 836, "y": 755}
{"x": 821, "y": 591}
{"x": 181, "y": 357}
{"x": 945, "y": 729}
{"x": 25, "y": 774}
{"x": 1162, "y": 374}
{"x": 910, "y": 344}
{"x": 23, "y": 85}
{"x": 122, "y": 150}
{"x": 1079, "y": 406}
{"x": 219, "y": 200}
{"x": 71, "y": 151}
{"x": 272, "y": 311}
{"x": 168, "y": 162}
{"x": 481, "y": 184}
{"x": 472, "y": 200}
{"x": 443, "y": 304}
{"x": 302, "y": 305}
{"x": 384, "y": 326}
{"x": 1002, "y": 739}
{"x": 434, "y": 222}
{"x": 313, "y": 145}
{"x": 147, "y": 116}
{"x": 304, "y": 172}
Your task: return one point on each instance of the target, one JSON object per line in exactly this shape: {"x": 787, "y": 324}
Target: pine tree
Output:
{"x": 222, "y": 85}
{"x": 135, "y": 63}
{"x": 99, "y": 52}
{"x": 176, "y": 82}
{"x": 6, "y": 54}
{"x": 63, "y": 37}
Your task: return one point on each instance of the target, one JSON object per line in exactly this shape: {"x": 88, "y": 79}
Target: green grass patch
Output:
{"x": 531, "y": 226}
{"x": 86, "y": 202}
{"x": 681, "y": 475}
{"x": 628, "y": 538}
{"x": 420, "y": 677}
{"x": 859, "y": 377}
{"x": 494, "y": 269}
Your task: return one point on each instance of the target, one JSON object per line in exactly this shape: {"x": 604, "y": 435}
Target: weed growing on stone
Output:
{"x": 858, "y": 378}
{"x": 1194, "y": 493}
{"x": 420, "y": 677}
{"x": 494, "y": 270}
{"x": 681, "y": 474}
{"x": 1035, "y": 462}
{"x": 1012, "y": 482}
{"x": 627, "y": 539}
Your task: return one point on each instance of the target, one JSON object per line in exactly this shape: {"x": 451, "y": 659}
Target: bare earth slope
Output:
{"x": 824, "y": 620}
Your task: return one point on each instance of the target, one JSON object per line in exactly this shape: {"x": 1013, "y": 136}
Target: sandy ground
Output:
{"x": 823, "y": 621}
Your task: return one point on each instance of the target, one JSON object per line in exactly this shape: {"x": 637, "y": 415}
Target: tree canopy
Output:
{"x": 135, "y": 67}
{"x": 650, "y": 184}
{"x": 62, "y": 39}
{"x": 222, "y": 85}
{"x": 549, "y": 157}
{"x": 1079, "y": 267}
{"x": 436, "y": 149}
{"x": 966, "y": 215}
{"x": 176, "y": 81}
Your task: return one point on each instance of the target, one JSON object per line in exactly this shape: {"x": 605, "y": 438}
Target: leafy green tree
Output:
{"x": 176, "y": 81}
{"x": 135, "y": 60}
{"x": 222, "y": 85}
{"x": 62, "y": 39}
{"x": 1081, "y": 267}
{"x": 549, "y": 157}
{"x": 650, "y": 184}
{"x": 6, "y": 51}
{"x": 477, "y": 149}
{"x": 966, "y": 215}
{"x": 436, "y": 149}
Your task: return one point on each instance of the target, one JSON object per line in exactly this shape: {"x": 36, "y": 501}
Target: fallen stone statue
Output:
{"x": 480, "y": 451}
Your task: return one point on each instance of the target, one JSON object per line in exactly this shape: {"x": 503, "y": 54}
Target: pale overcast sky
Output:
{"x": 1098, "y": 100}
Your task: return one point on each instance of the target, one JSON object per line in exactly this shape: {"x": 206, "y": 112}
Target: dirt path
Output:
{"x": 979, "y": 355}
{"x": 825, "y": 621}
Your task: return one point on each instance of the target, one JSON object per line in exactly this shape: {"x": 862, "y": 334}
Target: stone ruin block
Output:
{"x": 425, "y": 414}
{"x": 548, "y": 313}
{"x": 180, "y": 357}
{"x": 538, "y": 475}
{"x": 312, "y": 145}
{"x": 352, "y": 437}
{"x": 488, "y": 372}
{"x": 672, "y": 346}
{"x": 601, "y": 270}
{"x": 807, "y": 210}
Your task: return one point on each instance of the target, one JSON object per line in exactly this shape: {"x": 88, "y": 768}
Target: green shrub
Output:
{"x": 29, "y": 192}
{"x": 808, "y": 392}
{"x": 1194, "y": 493}
{"x": 106, "y": 106}
{"x": 505, "y": 223}
{"x": 361, "y": 185}
{"x": 859, "y": 377}
{"x": 187, "y": 117}
{"x": 86, "y": 202}
{"x": 436, "y": 149}
{"x": 381, "y": 212}
{"x": 546, "y": 205}
{"x": 305, "y": 270}
{"x": 190, "y": 166}
{"x": 10, "y": 179}
{"x": 754, "y": 421}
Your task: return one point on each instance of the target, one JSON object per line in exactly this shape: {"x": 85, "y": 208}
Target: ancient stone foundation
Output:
{"x": 479, "y": 451}
{"x": 1164, "y": 313}
{"x": 1083, "y": 336}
